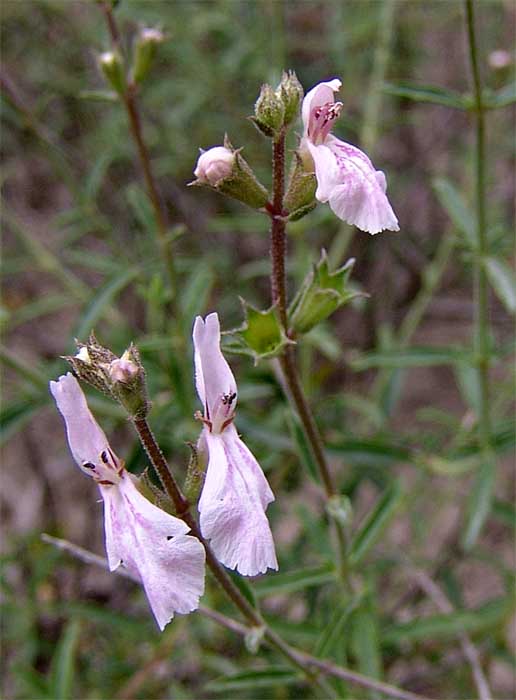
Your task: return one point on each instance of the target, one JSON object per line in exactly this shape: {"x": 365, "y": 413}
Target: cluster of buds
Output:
{"x": 113, "y": 66}
{"x": 276, "y": 109}
{"x": 121, "y": 378}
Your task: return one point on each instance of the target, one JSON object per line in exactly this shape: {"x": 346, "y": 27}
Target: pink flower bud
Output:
{"x": 121, "y": 370}
{"x": 214, "y": 165}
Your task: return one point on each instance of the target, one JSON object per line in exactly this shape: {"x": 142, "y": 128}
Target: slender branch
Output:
{"x": 470, "y": 651}
{"x": 129, "y": 99}
{"x": 481, "y": 288}
{"x": 303, "y": 660}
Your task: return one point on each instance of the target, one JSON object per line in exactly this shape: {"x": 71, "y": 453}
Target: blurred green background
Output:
{"x": 391, "y": 378}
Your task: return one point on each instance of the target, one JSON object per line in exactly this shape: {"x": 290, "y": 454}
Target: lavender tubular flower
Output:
{"x": 346, "y": 178}
{"x": 150, "y": 543}
{"x": 235, "y": 493}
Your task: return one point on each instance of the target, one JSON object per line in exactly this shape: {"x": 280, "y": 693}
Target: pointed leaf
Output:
{"x": 503, "y": 97}
{"x": 503, "y": 281}
{"x": 457, "y": 209}
{"x": 428, "y": 93}
{"x": 375, "y": 523}
{"x": 479, "y": 505}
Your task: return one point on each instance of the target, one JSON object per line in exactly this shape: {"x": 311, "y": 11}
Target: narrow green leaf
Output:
{"x": 99, "y": 95}
{"x": 142, "y": 208}
{"x": 457, "y": 209}
{"x": 428, "y": 93}
{"x": 291, "y": 581}
{"x": 446, "y": 626}
{"x": 302, "y": 447}
{"x": 503, "y": 97}
{"x": 450, "y": 466}
{"x": 375, "y": 523}
{"x": 372, "y": 451}
{"x": 331, "y": 636}
{"x": 63, "y": 662}
{"x": 271, "y": 677}
{"x": 197, "y": 290}
{"x": 365, "y": 642}
{"x": 479, "y": 504}
{"x": 411, "y": 357}
{"x": 469, "y": 385}
{"x": 43, "y": 306}
{"x": 15, "y": 415}
{"x": 244, "y": 588}
{"x": 505, "y": 512}
{"x": 100, "y": 302}
{"x": 503, "y": 281}
{"x": 32, "y": 373}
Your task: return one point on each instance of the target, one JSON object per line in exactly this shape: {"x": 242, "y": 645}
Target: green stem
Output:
{"x": 481, "y": 283}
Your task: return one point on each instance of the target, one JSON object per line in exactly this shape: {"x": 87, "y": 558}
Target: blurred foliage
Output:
{"x": 391, "y": 378}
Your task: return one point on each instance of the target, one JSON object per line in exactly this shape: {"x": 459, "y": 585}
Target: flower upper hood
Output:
{"x": 346, "y": 178}
{"x": 151, "y": 544}
{"x": 235, "y": 494}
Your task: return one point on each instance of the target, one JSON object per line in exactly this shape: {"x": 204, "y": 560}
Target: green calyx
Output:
{"x": 321, "y": 293}
{"x": 261, "y": 336}
{"x": 300, "y": 195}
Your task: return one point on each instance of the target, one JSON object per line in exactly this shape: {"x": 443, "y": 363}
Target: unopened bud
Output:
{"x": 224, "y": 169}
{"x": 145, "y": 48}
{"x": 128, "y": 384}
{"x": 269, "y": 111}
{"x": 123, "y": 371}
{"x": 214, "y": 165}
{"x": 112, "y": 66}
{"x": 121, "y": 378}
{"x": 291, "y": 92}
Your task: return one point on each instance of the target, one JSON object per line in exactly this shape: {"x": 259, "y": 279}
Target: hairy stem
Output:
{"x": 288, "y": 359}
{"x": 278, "y": 229}
{"x": 303, "y": 660}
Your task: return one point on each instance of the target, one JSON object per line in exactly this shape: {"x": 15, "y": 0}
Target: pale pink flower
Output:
{"x": 346, "y": 178}
{"x": 150, "y": 543}
{"x": 235, "y": 493}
